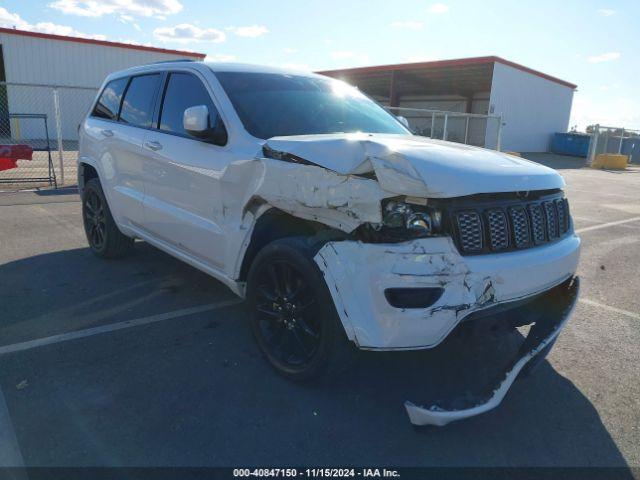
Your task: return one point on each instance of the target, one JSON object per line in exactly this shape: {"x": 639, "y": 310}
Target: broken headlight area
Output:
{"x": 404, "y": 219}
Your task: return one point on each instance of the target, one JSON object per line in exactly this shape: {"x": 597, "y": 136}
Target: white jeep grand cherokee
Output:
{"x": 338, "y": 226}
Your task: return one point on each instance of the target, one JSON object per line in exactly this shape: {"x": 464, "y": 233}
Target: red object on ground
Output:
{"x": 10, "y": 154}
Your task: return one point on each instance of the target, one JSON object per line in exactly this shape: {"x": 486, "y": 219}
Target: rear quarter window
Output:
{"x": 108, "y": 103}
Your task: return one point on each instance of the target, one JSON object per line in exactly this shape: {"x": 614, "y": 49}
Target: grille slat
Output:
{"x": 551, "y": 218}
{"x": 563, "y": 215}
{"x": 520, "y": 226}
{"x": 537, "y": 224}
{"x": 510, "y": 226}
{"x": 470, "y": 230}
{"x": 498, "y": 229}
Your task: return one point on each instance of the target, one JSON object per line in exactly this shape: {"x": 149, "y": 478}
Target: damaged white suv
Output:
{"x": 338, "y": 225}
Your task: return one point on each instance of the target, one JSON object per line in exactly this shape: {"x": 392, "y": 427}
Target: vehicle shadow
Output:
{"x": 195, "y": 391}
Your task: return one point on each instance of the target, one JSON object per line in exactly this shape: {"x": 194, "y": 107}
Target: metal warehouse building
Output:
{"x": 531, "y": 104}
{"x": 33, "y": 63}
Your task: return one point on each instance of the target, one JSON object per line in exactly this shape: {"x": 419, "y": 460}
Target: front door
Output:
{"x": 183, "y": 205}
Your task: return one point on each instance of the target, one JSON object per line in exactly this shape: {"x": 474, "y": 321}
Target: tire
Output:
{"x": 293, "y": 317}
{"x": 103, "y": 235}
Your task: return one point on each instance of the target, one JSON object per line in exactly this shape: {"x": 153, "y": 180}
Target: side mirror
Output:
{"x": 403, "y": 121}
{"x": 196, "y": 123}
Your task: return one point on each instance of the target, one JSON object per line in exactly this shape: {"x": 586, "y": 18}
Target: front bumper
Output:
{"x": 357, "y": 275}
{"x": 552, "y": 311}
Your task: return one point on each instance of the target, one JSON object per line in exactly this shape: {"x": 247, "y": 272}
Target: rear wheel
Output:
{"x": 293, "y": 317}
{"x": 103, "y": 235}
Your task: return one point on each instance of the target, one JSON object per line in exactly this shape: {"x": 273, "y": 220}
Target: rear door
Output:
{"x": 127, "y": 152}
{"x": 100, "y": 131}
{"x": 183, "y": 204}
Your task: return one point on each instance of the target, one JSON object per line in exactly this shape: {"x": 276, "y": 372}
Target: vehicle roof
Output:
{"x": 214, "y": 67}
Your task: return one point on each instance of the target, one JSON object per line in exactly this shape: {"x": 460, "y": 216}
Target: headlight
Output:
{"x": 395, "y": 214}
{"x": 420, "y": 220}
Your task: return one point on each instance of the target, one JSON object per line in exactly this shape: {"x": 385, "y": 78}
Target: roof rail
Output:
{"x": 174, "y": 61}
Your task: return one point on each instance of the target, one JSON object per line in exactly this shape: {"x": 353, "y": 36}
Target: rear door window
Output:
{"x": 138, "y": 103}
{"x": 109, "y": 102}
{"x": 183, "y": 91}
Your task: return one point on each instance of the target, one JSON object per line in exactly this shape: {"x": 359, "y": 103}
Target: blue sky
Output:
{"x": 591, "y": 43}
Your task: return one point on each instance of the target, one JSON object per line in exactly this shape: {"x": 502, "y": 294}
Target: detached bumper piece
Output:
{"x": 553, "y": 309}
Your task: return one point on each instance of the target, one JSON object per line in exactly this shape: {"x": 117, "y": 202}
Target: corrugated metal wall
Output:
{"x": 533, "y": 109}
{"x": 58, "y": 62}
{"x": 66, "y": 64}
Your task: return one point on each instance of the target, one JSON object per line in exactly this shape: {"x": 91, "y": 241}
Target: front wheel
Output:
{"x": 293, "y": 317}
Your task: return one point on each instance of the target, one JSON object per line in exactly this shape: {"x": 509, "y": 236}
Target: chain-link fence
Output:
{"x": 39, "y": 133}
{"x": 614, "y": 140}
{"x": 468, "y": 128}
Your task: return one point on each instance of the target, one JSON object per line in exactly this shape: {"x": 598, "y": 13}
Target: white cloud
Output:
{"x": 437, "y": 8}
{"x": 290, "y": 50}
{"x": 408, "y": 25}
{"x": 606, "y": 12}
{"x": 251, "y": 31}
{"x": 605, "y": 57}
{"x": 187, "y": 33}
{"x": 131, "y": 20}
{"x": 11, "y": 20}
{"x": 98, "y": 8}
{"x": 220, "y": 57}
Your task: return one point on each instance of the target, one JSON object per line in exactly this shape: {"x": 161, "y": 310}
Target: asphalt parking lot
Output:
{"x": 147, "y": 362}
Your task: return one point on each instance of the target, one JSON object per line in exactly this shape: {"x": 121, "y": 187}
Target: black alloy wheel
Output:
{"x": 95, "y": 220}
{"x": 103, "y": 235}
{"x": 288, "y": 324}
{"x": 293, "y": 316}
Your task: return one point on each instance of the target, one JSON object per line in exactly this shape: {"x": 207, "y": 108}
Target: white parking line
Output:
{"x": 593, "y": 303}
{"x": 10, "y": 455}
{"x": 88, "y": 332}
{"x": 605, "y": 225}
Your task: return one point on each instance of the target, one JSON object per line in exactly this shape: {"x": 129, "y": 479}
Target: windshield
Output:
{"x": 271, "y": 105}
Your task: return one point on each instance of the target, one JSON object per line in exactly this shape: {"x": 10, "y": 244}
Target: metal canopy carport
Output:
{"x": 463, "y": 77}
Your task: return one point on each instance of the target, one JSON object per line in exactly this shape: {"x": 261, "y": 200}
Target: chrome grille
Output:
{"x": 470, "y": 231}
{"x": 511, "y": 225}
{"x": 498, "y": 229}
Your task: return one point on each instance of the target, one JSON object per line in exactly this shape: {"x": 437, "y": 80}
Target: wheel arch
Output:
{"x": 275, "y": 224}
{"x": 86, "y": 171}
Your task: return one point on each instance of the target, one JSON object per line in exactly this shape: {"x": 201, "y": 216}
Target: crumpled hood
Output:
{"x": 419, "y": 166}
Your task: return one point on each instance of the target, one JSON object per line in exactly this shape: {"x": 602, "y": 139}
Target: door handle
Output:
{"x": 107, "y": 132}
{"x": 152, "y": 145}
